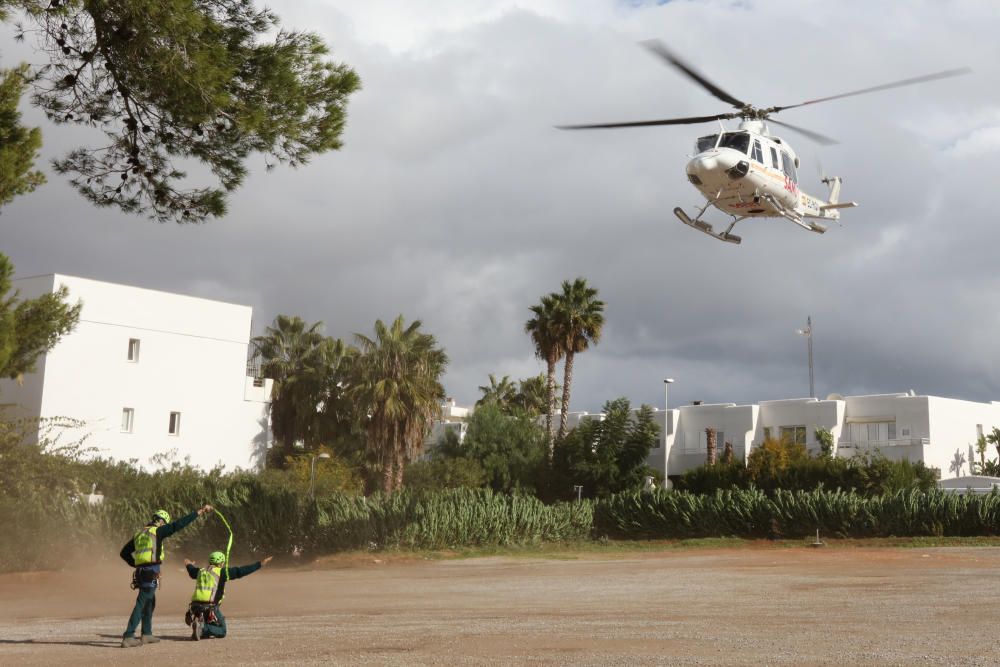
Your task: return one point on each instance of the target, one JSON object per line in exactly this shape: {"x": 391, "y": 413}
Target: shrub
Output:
{"x": 868, "y": 474}
{"x": 443, "y": 473}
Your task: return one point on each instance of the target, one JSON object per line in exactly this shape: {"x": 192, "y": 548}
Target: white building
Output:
{"x": 149, "y": 373}
{"x": 453, "y": 418}
{"x": 941, "y": 432}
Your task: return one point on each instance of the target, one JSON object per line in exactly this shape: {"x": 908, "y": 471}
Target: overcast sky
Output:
{"x": 456, "y": 202}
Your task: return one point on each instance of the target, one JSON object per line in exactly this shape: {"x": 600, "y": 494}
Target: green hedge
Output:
{"x": 795, "y": 514}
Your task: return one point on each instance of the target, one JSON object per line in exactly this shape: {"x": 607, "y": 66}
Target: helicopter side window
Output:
{"x": 774, "y": 158}
{"x": 789, "y": 167}
{"x": 739, "y": 141}
{"x": 757, "y": 154}
{"x": 706, "y": 143}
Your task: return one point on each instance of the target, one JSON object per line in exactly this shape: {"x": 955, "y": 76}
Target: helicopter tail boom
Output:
{"x": 834, "y": 203}
{"x": 834, "y": 183}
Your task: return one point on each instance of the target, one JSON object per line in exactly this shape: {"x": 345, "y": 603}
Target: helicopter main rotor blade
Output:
{"x": 815, "y": 136}
{"x": 646, "y": 123}
{"x": 659, "y": 49}
{"x": 885, "y": 86}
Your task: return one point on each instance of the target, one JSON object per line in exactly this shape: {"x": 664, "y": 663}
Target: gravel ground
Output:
{"x": 755, "y": 606}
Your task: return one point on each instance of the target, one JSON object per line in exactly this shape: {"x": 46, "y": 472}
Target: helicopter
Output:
{"x": 749, "y": 172}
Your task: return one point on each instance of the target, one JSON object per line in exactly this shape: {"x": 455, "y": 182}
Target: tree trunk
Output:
{"x": 387, "y": 453}
{"x": 398, "y": 470}
{"x": 567, "y": 379}
{"x": 550, "y": 395}
{"x": 387, "y": 476}
{"x": 710, "y": 445}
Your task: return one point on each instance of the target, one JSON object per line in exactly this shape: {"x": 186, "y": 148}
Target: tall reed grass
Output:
{"x": 793, "y": 514}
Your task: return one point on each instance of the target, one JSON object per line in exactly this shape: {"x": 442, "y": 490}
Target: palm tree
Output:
{"x": 545, "y": 336}
{"x": 531, "y": 394}
{"x": 303, "y": 364}
{"x": 395, "y": 385}
{"x": 503, "y": 393}
{"x": 579, "y": 318}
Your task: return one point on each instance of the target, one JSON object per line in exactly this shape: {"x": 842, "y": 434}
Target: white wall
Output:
{"x": 807, "y": 412}
{"x": 192, "y": 360}
{"x": 953, "y": 431}
{"x": 686, "y": 449}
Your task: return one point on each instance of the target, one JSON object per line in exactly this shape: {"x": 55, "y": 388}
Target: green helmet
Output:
{"x": 216, "y": 558}
{"x": 162, "y": 514}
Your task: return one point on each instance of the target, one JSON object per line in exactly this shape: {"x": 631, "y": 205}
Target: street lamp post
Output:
{"x": 808, "y": 333}
{"x": 666, "y": 403}
{"x": 312, "y": 473}
{"x": 668, "y": 428}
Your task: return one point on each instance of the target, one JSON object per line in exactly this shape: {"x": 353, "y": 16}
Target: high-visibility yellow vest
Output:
{"x": 207, "y": 584}
{"x": 145, "y": 544}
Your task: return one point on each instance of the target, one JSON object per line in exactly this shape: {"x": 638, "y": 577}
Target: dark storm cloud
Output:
{"x": 454, "y": 201}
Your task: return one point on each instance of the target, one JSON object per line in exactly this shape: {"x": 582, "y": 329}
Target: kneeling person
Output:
{"x": 210, "y": 587}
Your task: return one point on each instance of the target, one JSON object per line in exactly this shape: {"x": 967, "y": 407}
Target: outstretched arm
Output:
{"x": 192, "y": 568}
{"x": 242, "y": 571}
{"x": 183, "y": 522}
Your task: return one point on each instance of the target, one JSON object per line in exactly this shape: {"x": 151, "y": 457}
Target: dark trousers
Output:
{"x": 217, "y": 629}
{"x": 145, "y": 604}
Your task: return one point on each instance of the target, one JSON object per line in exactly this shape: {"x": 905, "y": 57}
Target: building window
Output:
{"x": 767, "y": 429}
{"x": 128, "y": 417}
{"x": 133, "y": 349}
{"x": 795, "y": 434}
{"x": 175, "y": 424}
{"x": 892, "y": 430}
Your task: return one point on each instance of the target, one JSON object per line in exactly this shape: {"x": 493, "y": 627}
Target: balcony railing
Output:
{"x": 879, "y": 444}
{"x": 737, "y": 450}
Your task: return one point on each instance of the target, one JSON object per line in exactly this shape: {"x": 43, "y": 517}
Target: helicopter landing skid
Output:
{"x": 703, "y": 226}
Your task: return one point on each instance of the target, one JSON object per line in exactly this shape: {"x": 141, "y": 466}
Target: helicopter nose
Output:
{"x": 700, "y": 168}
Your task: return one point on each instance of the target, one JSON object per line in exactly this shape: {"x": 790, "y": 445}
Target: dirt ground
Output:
{"x": 793, "y": 606}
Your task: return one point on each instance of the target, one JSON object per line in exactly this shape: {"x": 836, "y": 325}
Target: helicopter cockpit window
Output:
{"x": 736, "y": 140}
{"x": 757, "y": 154}
{"x": 788, "y": 167}
{"x": 706, "y": 143}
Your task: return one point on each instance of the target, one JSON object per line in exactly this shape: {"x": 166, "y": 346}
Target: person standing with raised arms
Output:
{"x": 145, "y": 553}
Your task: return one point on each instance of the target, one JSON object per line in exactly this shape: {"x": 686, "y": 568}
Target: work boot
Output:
{"x": 149, "y": 639}
{"x": 130, "y": 642}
